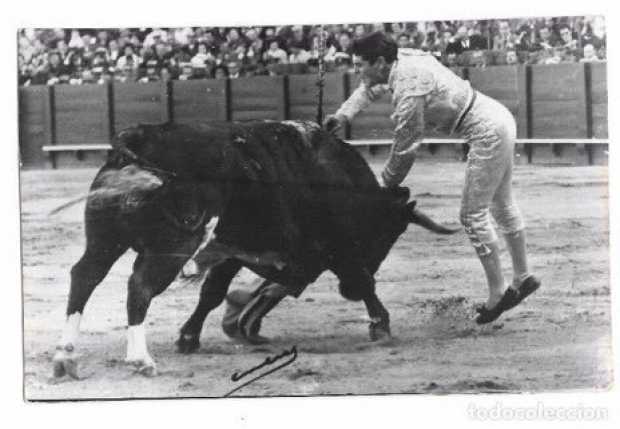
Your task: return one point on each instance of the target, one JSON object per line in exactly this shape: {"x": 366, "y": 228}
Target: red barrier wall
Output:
{"x": 139, "y": 103}
{"x": 558, "y": 101}
{"x": 260, "y": 97}
{"x": 548, "y": 101}
{"x": 506, "y": 84}
{"x": 34, "y": 125}
{"x": 599, "y": 100}
{"x": 303, "y": 95}
{"x": 82, "y": 114}
{"x": 199, "y": 100}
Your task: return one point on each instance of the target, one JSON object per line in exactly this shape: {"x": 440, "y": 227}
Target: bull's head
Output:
{"x": 391, "y": 219}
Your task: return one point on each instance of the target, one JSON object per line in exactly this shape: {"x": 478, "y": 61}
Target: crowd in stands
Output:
{"x": 77, "y": 56}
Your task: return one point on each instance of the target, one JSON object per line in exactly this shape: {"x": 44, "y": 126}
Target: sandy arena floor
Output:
{"x": 560, "y": 339}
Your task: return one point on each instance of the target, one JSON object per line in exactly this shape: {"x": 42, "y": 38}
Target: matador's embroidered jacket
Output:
{"x": 425, "y": 94}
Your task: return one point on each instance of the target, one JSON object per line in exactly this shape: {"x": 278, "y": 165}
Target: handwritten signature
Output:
{"x": 236, "y": 376}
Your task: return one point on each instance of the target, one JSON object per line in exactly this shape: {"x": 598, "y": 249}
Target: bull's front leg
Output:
{"x": 379, "y": 327}
{"x": 357, "y": 283}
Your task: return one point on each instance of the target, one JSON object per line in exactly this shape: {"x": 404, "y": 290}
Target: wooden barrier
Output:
{"x": 303, "y": 95}
{"x": 82, "y": 114}
{"x": 260, "y": 97}
{"x": 558, "y": 102}
{"x": 505, "y": 84}
{"x": 598, "y": 88}
{"x": 558, "y": 110}
{"x": 35, "y": 125}
{"x": 140, "y": 103}
{"x": 199, "y": 100}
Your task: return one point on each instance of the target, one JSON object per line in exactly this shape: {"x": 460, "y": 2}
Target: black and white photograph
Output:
{"x": 303, "y": 209}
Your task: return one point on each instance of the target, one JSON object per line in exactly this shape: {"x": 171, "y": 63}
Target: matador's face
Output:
{"x": 375, "y": 74}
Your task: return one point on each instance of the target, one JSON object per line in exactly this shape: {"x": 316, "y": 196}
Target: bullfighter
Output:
{"x": 426, "y": 94}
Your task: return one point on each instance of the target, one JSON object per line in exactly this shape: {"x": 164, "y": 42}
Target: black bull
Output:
{"x": 292, "y": 201}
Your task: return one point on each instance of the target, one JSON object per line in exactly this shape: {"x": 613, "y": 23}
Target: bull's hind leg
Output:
{"x": 212, "y": 294}
{"x": 153, "y": 271}
{"x": 86, "y": 274}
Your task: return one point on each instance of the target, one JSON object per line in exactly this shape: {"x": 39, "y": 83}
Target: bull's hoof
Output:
{"x": 66, "y": 367}
{"x": 187, "y": 343}
{"x": 379, "y": 331}
{"x": 147, "y": 368}
{"x": 65, "y": 363}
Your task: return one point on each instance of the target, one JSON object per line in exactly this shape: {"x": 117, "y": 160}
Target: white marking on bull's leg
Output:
{"x": 71, "y": 329}
{"x": 137, "y": 351}
{"x": 64, "y": 358}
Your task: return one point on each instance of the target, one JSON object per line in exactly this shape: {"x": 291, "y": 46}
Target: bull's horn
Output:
{"x": 424, "y": 221}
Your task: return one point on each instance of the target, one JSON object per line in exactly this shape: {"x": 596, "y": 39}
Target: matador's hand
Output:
{"x": 333, "y": 123}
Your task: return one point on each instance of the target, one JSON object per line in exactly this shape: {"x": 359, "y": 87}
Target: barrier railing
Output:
{"x": 553, "y": 105}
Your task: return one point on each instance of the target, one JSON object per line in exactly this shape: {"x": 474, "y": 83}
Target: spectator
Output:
{"x": 99, "y": 64}
{"x": 202, "y": 56}
{"x": 551, "y": 56}
{"x": 593, "y": 33}
{"x": 154, "y": 37}
{"x": 186, "y": 71}
{"x": 341, "y": 49}
{"x": 567, "y": 42}
{"x": 114, "y": 51}
{"x": 233, "y": 70}
{"x": 234, "y": 40}
{"x": 75, "y": 41}
{"x": 477, "y": 59}
{"x": 403, "y": 41}
{"x": 151, "y": 72}
{"x": 275, "y": 52}
{"x": 62, "y": 49}
{"x": 359, "y": 31}
{"x": 128, "y": 59}
{"x": 224, "y": 54}
{"x": 299, "y": 55}
{"x": 463, "y": 42}
{"x": 511, "y": 57}
{"x": 544, "y": 41}
{"x": 220, "y": 72}
{"x": 298, "y": 37}
{"x": 76, "y": 67}
{"x": 274, "y": 67}
{"x": 182, "y": 36}
{"x": 589, "y": 54}
{"x": 254, "y": 49}
{"x": 55, "y": 70}
{"x": 505, "y": 39}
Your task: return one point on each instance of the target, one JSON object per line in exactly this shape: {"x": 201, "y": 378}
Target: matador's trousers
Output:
{"x": 490, "y": 130}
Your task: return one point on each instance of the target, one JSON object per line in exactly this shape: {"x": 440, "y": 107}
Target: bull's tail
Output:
{"x": 68, "y": 204}
{"x": 419, "y": 218}
{"x": 113, "y": 183}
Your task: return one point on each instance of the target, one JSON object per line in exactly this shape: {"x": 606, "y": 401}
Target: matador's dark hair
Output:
{"x": 375, "y": 45}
